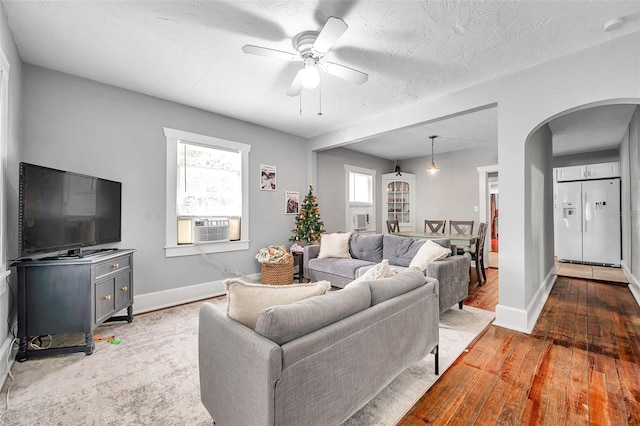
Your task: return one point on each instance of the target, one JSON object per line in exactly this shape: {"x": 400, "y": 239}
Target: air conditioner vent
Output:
{"x": 206, "y": 230}
{"x": 360, "y": 222}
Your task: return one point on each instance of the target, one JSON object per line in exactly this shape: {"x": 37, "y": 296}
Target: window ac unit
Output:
{"x": 207, "y": 230}
{"x": 360, "y": 222}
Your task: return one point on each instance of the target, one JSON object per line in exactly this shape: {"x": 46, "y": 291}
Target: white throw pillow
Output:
{"x": 429, "y": 252}
{"x": 335, "y": 245}
{"x": 245, "y": 301}
{"x": 379, "y": 270}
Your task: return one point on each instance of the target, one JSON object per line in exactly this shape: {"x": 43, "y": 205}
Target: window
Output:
{"x": 360, "y": 189}
{"x": 206, "y": 179}
{"x": 209, "y": 181}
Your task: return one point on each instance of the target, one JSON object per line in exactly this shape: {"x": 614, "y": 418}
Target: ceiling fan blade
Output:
{"x": 272, "y": 53}
{"x": 345, "y": 73}
{"x": 296, "y": 85}
{"x": 329, "y": 34}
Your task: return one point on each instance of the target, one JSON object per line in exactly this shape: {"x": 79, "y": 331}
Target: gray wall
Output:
{"x": 453, "y": 192}
{"x": 75, "y": 124}
{"x": 10, "y": 189}
{"x": 331, "y": 191}
{"x": 630, "y": 170}
{"x": 587, "y": 158}
{"x": 539, "y": 190}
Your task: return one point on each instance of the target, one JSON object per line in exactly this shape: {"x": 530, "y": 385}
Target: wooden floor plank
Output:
{"x": 579, "y": 366}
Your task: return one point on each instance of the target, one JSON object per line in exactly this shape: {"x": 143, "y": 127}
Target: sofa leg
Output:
{"x": 460, "y": 304}
{"x": 437, "y": 359}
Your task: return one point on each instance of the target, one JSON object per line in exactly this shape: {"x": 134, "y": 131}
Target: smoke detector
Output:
{"x": 612, "y": 25}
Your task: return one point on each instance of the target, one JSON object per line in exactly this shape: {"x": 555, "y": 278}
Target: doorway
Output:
{"x": 494, "y": 210}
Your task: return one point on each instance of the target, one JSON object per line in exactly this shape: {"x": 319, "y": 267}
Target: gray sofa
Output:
{"x": 368, "y": 249}
{"x": 318, "y": 360}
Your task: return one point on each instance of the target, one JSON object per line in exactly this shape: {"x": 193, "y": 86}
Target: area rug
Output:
{"x": 151, "y": 376}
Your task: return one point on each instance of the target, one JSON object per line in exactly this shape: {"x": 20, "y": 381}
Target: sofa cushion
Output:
{"x": 444, "y": 242}
{"x": 395, "y": 285}
{"x": 366, "y": 247}
{"x": 335, "y": 245}
{"x": 342, "y": 267}
{"x": 282, "y": 324}
{"x": 400, "y": 250}
{"x": 429, "y": 252}
{"x": 245, "y": 301}
{"x": 379, "y": 270}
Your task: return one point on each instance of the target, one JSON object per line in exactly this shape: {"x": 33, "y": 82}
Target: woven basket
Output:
{"x": 277, "y": 273}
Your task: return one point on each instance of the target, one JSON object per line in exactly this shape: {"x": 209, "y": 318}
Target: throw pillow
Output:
{"x": 335, "y": 245}
{"x": 245, "y": 301}
{"x": 379, "y": 270}
{"x": 429, "y": 252}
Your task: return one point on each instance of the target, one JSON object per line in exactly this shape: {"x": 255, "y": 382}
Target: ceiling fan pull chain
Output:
{"x": 320, "y": 97}
{"x": 300, "y": 102}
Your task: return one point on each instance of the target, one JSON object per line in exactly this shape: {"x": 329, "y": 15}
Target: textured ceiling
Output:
{"x": 191, "y": 51}
{"x": 591, "y": 129}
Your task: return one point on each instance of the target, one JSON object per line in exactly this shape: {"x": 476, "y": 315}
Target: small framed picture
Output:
{"x": 267, "y": 177}
{"x": 291, "y": 202}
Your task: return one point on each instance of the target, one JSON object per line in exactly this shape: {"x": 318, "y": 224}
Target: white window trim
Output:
{"x": 172, "y": 249}
{"x": 349, "y": 205}
{"x": 4, "y": 137}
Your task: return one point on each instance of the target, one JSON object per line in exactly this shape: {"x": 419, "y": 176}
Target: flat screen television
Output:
{"x": 65, "y": 211}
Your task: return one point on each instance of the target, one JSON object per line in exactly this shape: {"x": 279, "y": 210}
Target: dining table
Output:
{"x": 459, "y": 240}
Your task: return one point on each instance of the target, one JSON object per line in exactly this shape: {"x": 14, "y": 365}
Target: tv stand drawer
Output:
{"x": 112, "y": 265}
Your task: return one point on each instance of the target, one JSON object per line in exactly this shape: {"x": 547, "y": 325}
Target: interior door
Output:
{"x": 569, "y": 221}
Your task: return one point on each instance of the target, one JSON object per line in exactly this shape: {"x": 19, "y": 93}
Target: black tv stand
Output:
{"x": 69, "y": 295}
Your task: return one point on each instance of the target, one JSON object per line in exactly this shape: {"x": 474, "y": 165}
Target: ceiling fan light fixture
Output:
{"x": 310, "y": 76}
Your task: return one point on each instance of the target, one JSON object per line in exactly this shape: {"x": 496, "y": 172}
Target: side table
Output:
{"x": 298, "y": 274}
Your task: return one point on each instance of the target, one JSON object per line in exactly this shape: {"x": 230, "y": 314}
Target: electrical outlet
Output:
{"x": 475, "y": 208}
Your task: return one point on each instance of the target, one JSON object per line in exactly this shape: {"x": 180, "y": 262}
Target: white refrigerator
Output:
{"x": 587, "y": 215}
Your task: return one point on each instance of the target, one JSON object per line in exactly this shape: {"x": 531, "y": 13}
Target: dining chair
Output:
{"x": 434, "y": 225}
{"x": 393, "y": 226}
{"x": 461, "y": 226}
{"x": 477, "y": 255}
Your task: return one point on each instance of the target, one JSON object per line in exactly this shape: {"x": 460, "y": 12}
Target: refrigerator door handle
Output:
{"x": 587, "y": 212}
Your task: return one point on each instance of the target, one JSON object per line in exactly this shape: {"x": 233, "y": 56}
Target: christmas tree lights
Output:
{"x": 308, "y": 224}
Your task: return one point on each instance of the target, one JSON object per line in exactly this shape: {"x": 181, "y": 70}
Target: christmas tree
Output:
{"x": 308, "y": 224}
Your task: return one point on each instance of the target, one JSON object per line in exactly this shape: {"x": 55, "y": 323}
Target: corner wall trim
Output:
{"x": 524, "y": 320}
{"x": 7, "y": 358}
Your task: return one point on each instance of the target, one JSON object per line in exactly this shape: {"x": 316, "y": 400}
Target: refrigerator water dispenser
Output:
{"x": 568, "y": 210}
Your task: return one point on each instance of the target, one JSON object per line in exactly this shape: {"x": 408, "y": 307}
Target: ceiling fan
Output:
{"x": 310, "y": 47}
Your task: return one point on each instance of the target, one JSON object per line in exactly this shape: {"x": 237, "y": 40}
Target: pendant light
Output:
{"x": 432, "y": 168}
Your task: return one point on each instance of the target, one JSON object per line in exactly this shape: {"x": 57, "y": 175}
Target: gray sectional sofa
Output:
{"x": 368, "y": 249}
{"x": 318, "y": 360}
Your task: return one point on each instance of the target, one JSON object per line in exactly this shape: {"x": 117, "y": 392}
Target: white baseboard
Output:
{"x": 524, "y": 320}
{"x": 634, "y": 283}
{"x": 178, "y": 296}
{"x": 511, "y": 318}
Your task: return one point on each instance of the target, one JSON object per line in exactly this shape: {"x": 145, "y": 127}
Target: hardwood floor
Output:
{"x": 485, "y": 296}
{"x": 580, "y": 366}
